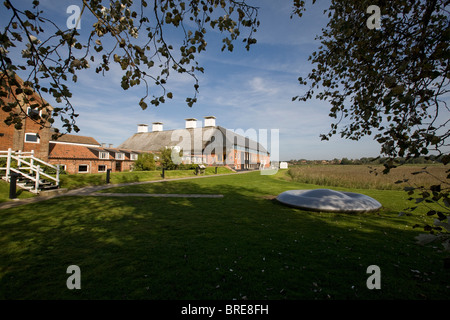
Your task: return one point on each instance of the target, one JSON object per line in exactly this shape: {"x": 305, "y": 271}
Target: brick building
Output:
{"x": 79, "y": 154}
{"x": 210, "y": 144}
{"x": 31, "y": 136}
{"x": 74, "y": 153}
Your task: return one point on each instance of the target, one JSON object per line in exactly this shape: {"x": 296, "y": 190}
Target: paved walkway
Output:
{"x": 92, "y": 191}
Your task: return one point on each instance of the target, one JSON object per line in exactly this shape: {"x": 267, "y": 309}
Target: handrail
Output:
{"x": 20, "y": 158}
{"x": 34, "y": 168}
{"x": 24, "y": 174}
{"x": 43, "y": 162}
{"x": 30, "y": 177}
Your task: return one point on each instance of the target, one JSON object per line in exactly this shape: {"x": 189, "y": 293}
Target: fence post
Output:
{"x": 57, "y": 175}
{"x": 31, "y": 161}
{"x": 163, "y": 173}
{"x": 8, "y": 165}
{"x": 108, "y": 173}
{"x": 36, "y": 184}
{"x": 19, "y": 155}
{"x": 12, "y": 186}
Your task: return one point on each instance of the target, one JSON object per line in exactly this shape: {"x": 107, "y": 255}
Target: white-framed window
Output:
{"x": 101, "y": 168}
{"x": 120, "y": 156}
{"x": 33, "y": 113}
{"x": 133, "y": 156}
{"x": 83, "y": 168}
{"x": 32, "y": 138}
{"x": 103, "y": 155}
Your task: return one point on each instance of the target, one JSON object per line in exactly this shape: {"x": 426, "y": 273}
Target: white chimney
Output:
{"x": 191, "y": 123}
{"x": 210, "y": 121}
{"x": 142, "y": 128}
{"x": 157, "y": 126}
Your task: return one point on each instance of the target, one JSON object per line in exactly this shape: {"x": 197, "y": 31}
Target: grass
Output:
{"x": 74, "y": 181}
{"x": 4, "y": 192}
{"x": 242, "y": 246}
{"x": 368, "y": 177}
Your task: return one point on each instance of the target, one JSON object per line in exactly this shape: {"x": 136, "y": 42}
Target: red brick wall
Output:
{"x": 72, "y": 165}
{"x": 15, "y": 139}
{"x": 6, "y": 132}
{"x": 41, "y": 148}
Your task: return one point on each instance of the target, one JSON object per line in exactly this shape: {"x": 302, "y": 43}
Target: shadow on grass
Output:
{"x": 243, "y": 246}
{"x": 74, "y": 181}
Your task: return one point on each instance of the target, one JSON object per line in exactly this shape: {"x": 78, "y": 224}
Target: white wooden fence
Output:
{"x": 29, "y": 167}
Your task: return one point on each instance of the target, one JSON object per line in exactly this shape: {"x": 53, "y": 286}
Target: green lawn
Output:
{"x": 74, "y": 181}
{"x": 4, "y": 192}
{"x": 242, "y": 246}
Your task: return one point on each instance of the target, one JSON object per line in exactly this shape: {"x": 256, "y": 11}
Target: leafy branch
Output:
{"x": 135, "y": 35}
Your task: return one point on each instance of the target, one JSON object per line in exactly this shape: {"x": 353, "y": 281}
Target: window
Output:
{"x": 83, "y": 168}
{"x": 101, "y": 168}
{"x": 104, "y": 155}
{"x": 31, "y": 137}
{"x": 62, "y": 167}
{"x": 120, "y": 156}
{"x": 33, "y": 113}
{"x": 133, "y": 156}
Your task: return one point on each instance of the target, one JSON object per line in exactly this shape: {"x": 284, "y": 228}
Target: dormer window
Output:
{"x": 104, "y": 155}
{"x": 120, "y": 156}
{"x": 133, "y": 156}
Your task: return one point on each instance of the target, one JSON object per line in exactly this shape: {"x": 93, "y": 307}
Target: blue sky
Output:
{"x": 243, "y": 89}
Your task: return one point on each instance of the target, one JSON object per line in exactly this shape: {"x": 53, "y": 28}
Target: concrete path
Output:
{"x": 92, "y": 191}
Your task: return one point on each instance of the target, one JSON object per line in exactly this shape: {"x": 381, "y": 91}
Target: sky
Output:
{"x": 243, "y": 89}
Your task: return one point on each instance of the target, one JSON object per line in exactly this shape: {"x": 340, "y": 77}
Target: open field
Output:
{"x": 242, "y": 246}
{"x": 368, "y": 177}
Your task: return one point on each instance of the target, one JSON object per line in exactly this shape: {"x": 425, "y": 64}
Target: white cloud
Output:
{"x": 242, "y": 89}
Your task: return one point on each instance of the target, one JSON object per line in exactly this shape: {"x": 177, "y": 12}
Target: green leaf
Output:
{"x": 30, "y": 15}
{"x": 446, "y": 159}
{"x": 142, "y": 104}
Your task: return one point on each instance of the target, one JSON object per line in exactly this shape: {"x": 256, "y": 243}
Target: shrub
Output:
{"x": 145, "y": 162}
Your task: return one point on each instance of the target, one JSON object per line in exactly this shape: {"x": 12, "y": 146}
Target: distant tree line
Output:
{"x": 369, "y": 160}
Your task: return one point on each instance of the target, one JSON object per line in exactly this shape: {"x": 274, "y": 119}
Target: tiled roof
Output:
{"x": 68, "y": 151}
{"x": 121, "y": 150}
{"x": 199, "y": 138}
{"x": 71, "y": 138}
{"x": 72, "y": 151}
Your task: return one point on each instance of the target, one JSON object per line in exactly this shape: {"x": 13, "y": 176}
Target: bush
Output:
{"x": 145, "y": 162}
